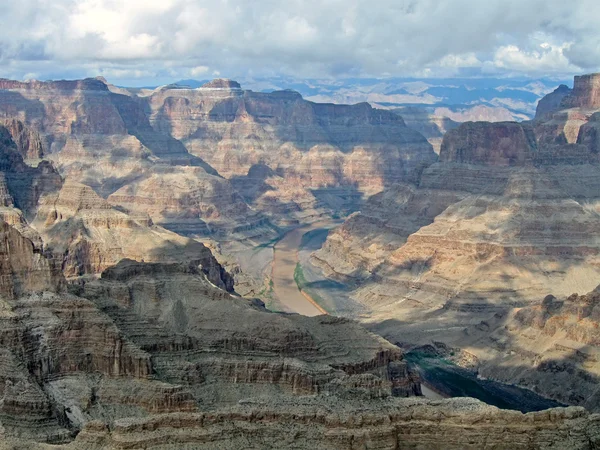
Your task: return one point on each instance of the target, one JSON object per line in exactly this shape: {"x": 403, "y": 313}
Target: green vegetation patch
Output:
{"x": 303, "y": 284}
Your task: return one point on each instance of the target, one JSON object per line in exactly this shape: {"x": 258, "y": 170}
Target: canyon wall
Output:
{"x": 319, "y": 156}
{"x": 103, "y": 139}
{"x": 154, "y": 338}
{"x": 507, "y": 216}
{"x": 132, "y": 150}
{"x": 157, "y": 356}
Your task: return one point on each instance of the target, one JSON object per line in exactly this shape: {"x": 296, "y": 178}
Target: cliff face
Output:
{"x": 149, "y": 339}
{"x": 585, "y": 94}
{"x": 313, "y": 144}
{"x": 508, "y": 216}
{"x": 28, "y": 141}
{"x": 551, "y": 102}
{"x": 430, "y": 122}
{"x": 554, "y": 347}
{"x": 21, "y": 185}
{"x": 134, "y": 355}
{"x": 486, "y": 143}
{"x": 104, "y": 139}
{"x": 24, "y": 268}
{"x": 89, "y": 235}
{"x": 321, "y": 155}
{"x": 451, "y": 424}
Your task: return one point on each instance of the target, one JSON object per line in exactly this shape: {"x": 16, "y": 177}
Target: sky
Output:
{"x": 148, "y": 42}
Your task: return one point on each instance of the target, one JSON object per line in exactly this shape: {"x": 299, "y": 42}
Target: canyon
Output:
{"x": 140, "y": 234}
{"x": 506, "y": 217}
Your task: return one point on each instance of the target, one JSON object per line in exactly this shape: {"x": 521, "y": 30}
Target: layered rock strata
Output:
{"x": 508, "y": 216}
{"x": 148, "y": 339}
{"x": 320, "y": 158}
{"x": 101, "y": 137}
{"x": 552, "y": 347}
{"x": 312, "y": 144}
{"x": 89, "y": 235}
{"x": 449, "y": 424}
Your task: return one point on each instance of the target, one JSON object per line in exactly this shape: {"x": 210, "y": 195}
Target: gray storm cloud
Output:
{"x": 139, "y": 39}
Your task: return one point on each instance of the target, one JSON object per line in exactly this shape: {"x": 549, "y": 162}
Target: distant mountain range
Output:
{"x": 459, "y": 99}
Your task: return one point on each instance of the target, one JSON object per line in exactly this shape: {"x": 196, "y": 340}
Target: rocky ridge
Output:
{"x": 101, "y": 137}
{"x": 151, "y": 338}
{"x": 339, "y": 149}
{"x": 507, "y": 216}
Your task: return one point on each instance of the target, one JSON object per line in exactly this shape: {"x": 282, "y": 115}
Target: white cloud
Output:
{"x": 300, "y": 37}
{"x": 199, "y": 71}
{"x": 547, "y": 58}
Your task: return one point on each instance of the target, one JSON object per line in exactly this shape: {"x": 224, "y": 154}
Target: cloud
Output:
{"x": 199, "y": 71}
{"x": 547, "y": 58}
{"x": 305, "y": 38}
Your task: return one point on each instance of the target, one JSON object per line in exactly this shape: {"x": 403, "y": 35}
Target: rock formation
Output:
{"x": 89, "y": 235}
{"x": 551, "y": 102}
{"x": 158, "y": 356}
{"x": 585, "y": 94}
{"x": 157, "y": 338}
{"x": 552, "y": 347}
{"x": 28, "y": 141}
{"x": 337, "y": 150}
{"x": 323, "y": 157}
{"x": 313, "y": 144}
{"x": 160, "y": 352}
{"x": 455, "y": 424}
{"x": 507, "y": 216}
{"x": 103, "y": 139}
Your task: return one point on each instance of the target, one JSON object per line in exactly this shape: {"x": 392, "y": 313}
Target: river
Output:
{"x": 285, "y": 259}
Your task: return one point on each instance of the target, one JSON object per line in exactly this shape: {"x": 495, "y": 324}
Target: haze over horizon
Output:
{"x": 149, "y": 42}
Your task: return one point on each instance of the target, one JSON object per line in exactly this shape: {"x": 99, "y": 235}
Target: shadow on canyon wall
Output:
{"x": 437, "y": 342}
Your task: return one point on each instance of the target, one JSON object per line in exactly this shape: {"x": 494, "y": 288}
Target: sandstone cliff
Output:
{"x": 323, "y": 157}
{"x": 89, "y": 235}
{"x": 552, "y": 347}
{"x": 451, "y": 424}
{"x": 585, "y": 94}
{"x": 103, "y": 138}
{"x": 149, "y": 339}
{"x": 326, "y": 155}
{"x": 508, "y": 216}
{"x": 313, "y": 144}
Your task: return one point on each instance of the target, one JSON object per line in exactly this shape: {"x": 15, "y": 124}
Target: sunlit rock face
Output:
{"x": 585, "y": 94}
{"x": 508, "y": 216}
{"x": 101, "y": 137}
{"x": 306, "y": 145}
{"x": 324, "y": 157}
